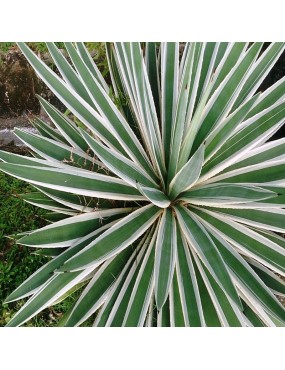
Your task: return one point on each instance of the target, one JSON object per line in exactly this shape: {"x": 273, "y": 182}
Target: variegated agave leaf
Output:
{"x": 166, "y": 202}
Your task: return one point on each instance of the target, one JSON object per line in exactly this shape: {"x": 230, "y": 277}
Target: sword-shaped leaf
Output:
{"x": 259, "y": 71}
{"x": 223, "y": 194}
{"x": 143, "y": 289}
{"x": 188, "y": 174}
{"x": 67, "y": 232}
{"x": 39, "y": 277}
{"x": 48, "y": 294}
{"x": 175, "y": 304}
{"x": 157, "y": 197}
{"x": 188, "y": 287}
{"x": 96, "y": 291}
{"x": 228, "y": 313}
{"x": 75, "y": 181}
{"x": 114, "y": 240}
{"x": 120, "y": 165}
{"x": 56, "y": 152}
{"x": 117, "y": 303}
{"x": 12, "y": 158}
{"x": 203, "y": 245}
{"x": 43, "y": 201}
{"x": 251, "y": 243}
{"x": 225, "y": 95}
{"x": 68, "y": 73}
{"x": 268, "y": 219}
{"x": 47, "y": 131}
{"x": 65, "y": 126}
{"x": 256, "y": 131}
{"x": 165, "y": 257}
{"x": 110, "y": 113}
{"x": 248, "y": 277}
{"x": 169, "y": 91}
{"x": 86, "y": 57}
{"x": 72, "y": 100}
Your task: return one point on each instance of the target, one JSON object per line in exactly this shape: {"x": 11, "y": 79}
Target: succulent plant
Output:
{"x": 166, "y": 197}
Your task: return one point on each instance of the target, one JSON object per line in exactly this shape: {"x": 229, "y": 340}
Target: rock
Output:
{"x": 19, "y": 85}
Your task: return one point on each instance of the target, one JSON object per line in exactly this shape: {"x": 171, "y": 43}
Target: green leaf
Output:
{"x": 54, "y": 288}
{"x": 86, "y": 57}
{"x": 119, "y": 237}
{"x": 68, "y": 73}
{"x": 203, "y": 245}
{"x": 228, "y": 55}
{"x": 182, "y": 105}
{"x": 44, "y": 273}
{"x": 193, "y": 128}
{"x": 248, "y": 277}
{"x": 146, "y": 107}
{"x": 49, "y": 252}
{"x": 67, "y": 232}
{"x": 169, "y": 91}
{"x": 268, "y": 219}
{"x": 228, "y": 313}
{"x": 109, "y": 112}
{"x": 259, "y": 71}
{"x": 12, "y": 158}
{"x": 152, "y": 68}
{"x": 47, "y": 131}
{"x": 151, "y": 316}
{"x": 96, "y": 291}
{"x": 253, "y": 317}
{"x": 43, "y": 201}
{"x": 163, "y": 318}
{"x": 53, "y": 151}
{"x": 256, "y": 131}
{"x": 264, "y": 174}
{"x": 175, "y": 305}
{"x": 74, "y": 181}
{"x": 225, "y": 129}
{"x": 209, "y": 312}
{"x": 195, "y": 78}
{"x": 141, "y": 294}
{"x": 188, "y": 175}
{"x": 273, "y": 150}
{"x": 251, "y": 242}
{"x": 223, "y": 194}
{"x": 72, "y": 100}
{"x": 225, "y": 95}
{"x": 270, "y": 96}
{"x": 165, "y": 256}
{"x": 66, "y": 127}
{"x": 271, "y": 280}
{"x": 114, "y": 309}
{"x": 120, "y": 165}
{"x": 157, "y": 197}
{"x": 121, "y": 91}
{"x": 75, "y": 202}
{"x": 188, "y": 287}
{"x": 213, "y": 53}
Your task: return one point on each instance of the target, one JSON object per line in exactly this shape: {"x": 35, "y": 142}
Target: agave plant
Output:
{"x": 165, "y": 197}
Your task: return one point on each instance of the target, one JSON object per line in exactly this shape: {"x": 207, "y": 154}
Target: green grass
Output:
{"x": 17, "y": 262}
{"x": 6, "y": 46}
